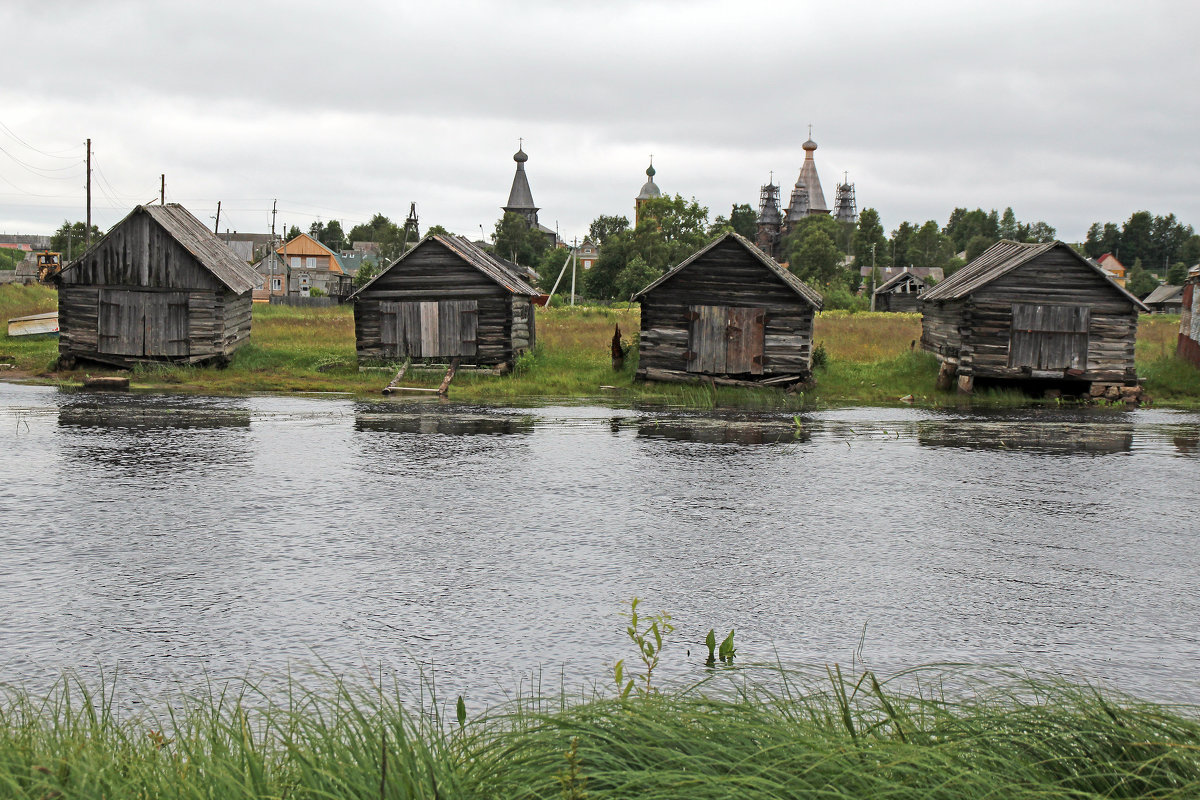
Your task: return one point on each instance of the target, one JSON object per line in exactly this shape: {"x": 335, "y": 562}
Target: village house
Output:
{"x": 1166, "y": 299}
{"x": 443, "y": 299}
{"x": 900, "y": 293}
{"x": 729, "y": 313}
{"x": 311, "y": 265}
{"x": 1114, "y": 268}
{"x": 158, "y": 286}
{"x": 1033, "y": 313}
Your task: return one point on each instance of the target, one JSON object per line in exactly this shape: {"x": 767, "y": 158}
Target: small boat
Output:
{"x": 34, "y": 324}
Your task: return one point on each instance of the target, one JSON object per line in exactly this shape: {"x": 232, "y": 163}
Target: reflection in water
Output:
{"x": 1036, "y": 437}
{"x": 724, "y": 431}
{"x": 197, "y": 537}
{"x": 449, "y": 424}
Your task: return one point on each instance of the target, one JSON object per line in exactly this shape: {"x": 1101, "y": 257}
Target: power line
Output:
{"x": 40, "y": 171}
{"x": 34, "y": 149}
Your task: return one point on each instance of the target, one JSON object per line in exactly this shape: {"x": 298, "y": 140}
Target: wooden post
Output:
{"x": 403, "y": 369}
{"x": 217, "y": 224}
{"x": 966, "y": 384}
{"x": 87, "y": 235}
{"x": 618, "y": 352}
{"x": 445, "y": 387}
{"x": 162, "y": 191}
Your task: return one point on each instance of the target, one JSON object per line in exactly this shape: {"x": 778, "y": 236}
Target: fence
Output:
{"x": 307, "y": 302}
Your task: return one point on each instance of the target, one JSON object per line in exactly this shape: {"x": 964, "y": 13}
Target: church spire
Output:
{"x": 520, "y": 198}
{"x": 649, "y": 190}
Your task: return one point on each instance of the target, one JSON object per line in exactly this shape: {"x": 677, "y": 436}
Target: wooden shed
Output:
{"x": 1189, "y": 319}
{"x": 729, "y": 312}
{"x": 900, "y": 293}
{"x": 1031, "y": 312}
{"x": 159, "y": 286}
{"x": 445, "y": 298}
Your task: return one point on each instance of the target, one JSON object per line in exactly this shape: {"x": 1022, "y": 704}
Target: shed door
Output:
{"x": 133, "y": 323}
{"x": 445, "y": 328}
{"x": 723, "y": 340}
{"x": 1049, "y": 337}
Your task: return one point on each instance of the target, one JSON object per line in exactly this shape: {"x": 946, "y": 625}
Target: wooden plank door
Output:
{"x": 458, "y": 325}
{"x": 725, "y": 340}
{"x": 430, "y": 329}
{"x": 120, "y": 325}
{"x": 166, "y": 320}
{"x": 744, "y": 341}
{"x": 1049, "y": 337}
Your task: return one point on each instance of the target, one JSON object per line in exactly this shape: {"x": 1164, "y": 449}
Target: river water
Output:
{"x": 184, "y": 539}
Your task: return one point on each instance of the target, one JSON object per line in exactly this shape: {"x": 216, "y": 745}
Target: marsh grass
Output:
{"x": 746, "y": 733}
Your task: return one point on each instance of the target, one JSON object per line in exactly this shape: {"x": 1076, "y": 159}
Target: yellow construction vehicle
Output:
{"x": 49, "y": 264}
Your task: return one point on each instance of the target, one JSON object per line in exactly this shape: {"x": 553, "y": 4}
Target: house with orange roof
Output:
{"x": 311, "y": 265}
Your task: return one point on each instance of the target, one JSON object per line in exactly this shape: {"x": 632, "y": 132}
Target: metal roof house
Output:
{"x": 159, "y": 286}
{"x": 445, "y": 298}
{"x": 1031, "y": 312}
{"x": 728, "y": 313}
{"x": 1166, "y": 299}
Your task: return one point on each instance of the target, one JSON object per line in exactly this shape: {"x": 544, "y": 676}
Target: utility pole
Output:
{"x": 287, "y": 270}
{"x": 162, "y": 190}
{"x": 217, "y": 224}
{"x": 574, "y": 250}
{"x": 88, "y": 234}
{"x": 273, "y": 202}
{"x": 872, "y": 276}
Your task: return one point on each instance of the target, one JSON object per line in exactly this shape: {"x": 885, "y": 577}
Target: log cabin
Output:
{"x": 901, "y": 292}
{"x": 1032, "y": 312}
{"x": 445, "y": 298}
{"x": 730, "y": 314}
{"x": 159, "y": 286}
{"x": 1189, "y": 319}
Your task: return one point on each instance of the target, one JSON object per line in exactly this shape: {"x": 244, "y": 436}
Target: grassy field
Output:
{"x": 745, "y": 734}
{"x": 871, "y": 358}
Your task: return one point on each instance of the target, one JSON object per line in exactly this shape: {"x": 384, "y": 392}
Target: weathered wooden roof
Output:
{"x": 195, "y": 237}
{"x": 1002, "y": 258}
{"x": 897, "y": 279}
{"x": 809, "y": 295}
{"x": 472, "y": 255}
{"x": 1164, "y": 294}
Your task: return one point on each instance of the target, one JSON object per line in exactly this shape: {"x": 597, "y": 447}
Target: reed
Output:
{"x": 746, "y": 732}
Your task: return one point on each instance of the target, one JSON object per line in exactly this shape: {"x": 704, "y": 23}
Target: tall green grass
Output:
{"x": 771, "y": 734}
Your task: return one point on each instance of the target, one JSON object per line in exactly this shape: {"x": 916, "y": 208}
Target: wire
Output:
{"x": 40, "y": 171}
{"x": 26, "y": 192}
{"x": 34, "y": 149}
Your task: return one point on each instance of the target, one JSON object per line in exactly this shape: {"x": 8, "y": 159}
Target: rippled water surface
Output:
{"x": 178, "y": 538}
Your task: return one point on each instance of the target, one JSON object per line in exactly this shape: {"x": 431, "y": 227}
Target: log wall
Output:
{"x": 726, "y": 276}
{"x": 976, "y": 333}
{"x": 435, "y": 273}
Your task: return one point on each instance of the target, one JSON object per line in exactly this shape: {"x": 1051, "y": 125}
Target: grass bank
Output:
{"x": 771, "y": 734}
{"x": 870, "y": 358}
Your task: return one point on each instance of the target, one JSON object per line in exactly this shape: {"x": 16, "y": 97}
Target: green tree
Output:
{"x": 293, "y": 232}
{"x": 1177, "y": 274}
{"x": 929, "y": 247}
{"x": 1008, "y": 226}
{"x": 867, "y": 235}
{"x": 1042, "y": 232}
{"x": 70, "y": 239}
{"x": 1139, "y": 282}
{"x": 368, "y": 270}
{"x": 1136, "y": 242}
{"x": 1102, "y": 239}
{"x": 965, "y": 225}
{"x": 816, "y": 259}
{"x": 636, "y": 275}
{"x": 517, "y": 241}
{"x": 901, "y": 239}
{"x": 977, "y": 245}
{"x": 744, "y": 220}
{"x": 332, "y": 236}
{"x": 1189, "y": 252}
{"x": 604, "y": 226}
{"x": 437, "y": 230}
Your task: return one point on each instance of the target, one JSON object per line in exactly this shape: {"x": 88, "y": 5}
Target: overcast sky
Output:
{"x": 1070, "y": 112}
